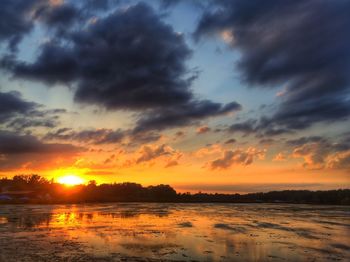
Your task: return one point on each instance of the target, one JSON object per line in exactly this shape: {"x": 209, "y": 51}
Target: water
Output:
{"x": 174, "y": 232}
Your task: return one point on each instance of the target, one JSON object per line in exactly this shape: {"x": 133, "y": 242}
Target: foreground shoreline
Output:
{"x": 174, "y": 232}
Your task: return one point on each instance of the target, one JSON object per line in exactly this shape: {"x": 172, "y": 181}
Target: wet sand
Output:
{"x": 174, "y": 232}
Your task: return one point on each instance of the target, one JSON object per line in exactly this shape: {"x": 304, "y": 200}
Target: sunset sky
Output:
{"x": 217, "y": 96}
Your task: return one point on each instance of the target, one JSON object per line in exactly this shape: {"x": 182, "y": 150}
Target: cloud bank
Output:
{"x": 300, "y": 45}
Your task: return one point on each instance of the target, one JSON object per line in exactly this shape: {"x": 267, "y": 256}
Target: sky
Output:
{"x": 212, "y": 96}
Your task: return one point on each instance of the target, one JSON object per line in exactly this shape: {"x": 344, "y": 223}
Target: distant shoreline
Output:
{"x": 34, "y": 189}
{"x": 167, "y": 202}
{"x": 212, "y": 199}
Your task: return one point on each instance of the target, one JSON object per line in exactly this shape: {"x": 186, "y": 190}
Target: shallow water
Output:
{"x": 174, "y": 232}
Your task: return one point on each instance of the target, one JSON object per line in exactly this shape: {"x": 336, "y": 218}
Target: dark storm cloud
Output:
{"x": 103, "y": 5}
{"x": 15, "y": 20}
{"x": 95, "y": 136}
{"x": 140, "y": 138}
{"x": 17, "y": 113}
{"x": 247, "y": 127}
{"x": 26, "y": 151}
{"x": 275, "y": 131}
{"x": 267, "y": 141}
{"x": 129, "y": 60}
{"x": 22, "y": 123}
{"x": 58, "y": 16}
{"x": 99, "y": 4}
{"x": 302, "y": 45}
{"x": 165, "y": 4}
{"x": 103, "y": 136}
{"x": 263, "y": 127}
{"x": 183, "y": 115}
{"x": 11, "y": 104}
{"x": 304, "y": 140}
{"x": 12, "y": 143}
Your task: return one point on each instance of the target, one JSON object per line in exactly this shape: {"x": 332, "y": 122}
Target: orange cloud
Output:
{"x": 208, "y": 150}
{"x": 313, "y": 154}
{"x": 339, "y": 161}
{"x": 280, "y": 157}
{"x": 150, "y": 153}
{"x": 203, "y": 130}
{"x": 237, "y": 156}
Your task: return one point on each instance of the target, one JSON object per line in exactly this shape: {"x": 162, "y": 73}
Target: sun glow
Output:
{"x": 70, "y": 180}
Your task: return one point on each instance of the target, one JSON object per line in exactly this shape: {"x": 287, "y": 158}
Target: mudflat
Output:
{"x": 174, "y": 232}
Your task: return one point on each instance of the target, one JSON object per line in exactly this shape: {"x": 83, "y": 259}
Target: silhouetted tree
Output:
{"x": 50, "y": 192}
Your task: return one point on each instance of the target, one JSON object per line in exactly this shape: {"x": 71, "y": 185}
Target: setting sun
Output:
{"x": 70, "y": 180}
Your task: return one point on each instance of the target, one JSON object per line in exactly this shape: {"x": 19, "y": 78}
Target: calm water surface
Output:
{"x": 174, "y": 232}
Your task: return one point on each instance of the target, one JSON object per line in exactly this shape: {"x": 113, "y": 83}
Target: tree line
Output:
{"x": 36, "y": 189}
